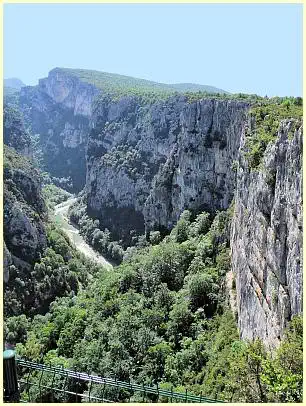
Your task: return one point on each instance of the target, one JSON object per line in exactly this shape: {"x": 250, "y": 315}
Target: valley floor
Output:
{"x": 62, "y": 220}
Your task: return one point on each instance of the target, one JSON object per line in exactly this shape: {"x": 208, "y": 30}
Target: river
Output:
{"x": 62, "y": 220}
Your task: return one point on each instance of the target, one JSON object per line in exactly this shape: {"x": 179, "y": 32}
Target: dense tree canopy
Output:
{"x": 160, "y": 317}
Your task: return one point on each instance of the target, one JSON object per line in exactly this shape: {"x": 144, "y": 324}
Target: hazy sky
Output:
{"x": 248, "y": 48}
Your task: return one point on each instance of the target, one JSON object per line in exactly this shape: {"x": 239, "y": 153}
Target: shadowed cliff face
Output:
{"x": 59, "y": 109}
{"x": 266, "y": 239}
{"x": 14, "y": 132}
{"x": 24, "y": 212}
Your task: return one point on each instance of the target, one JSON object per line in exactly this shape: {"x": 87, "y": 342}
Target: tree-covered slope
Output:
{"x": 39, "y": 262}
{"x": 162, "y": 317}
{"x": 24, "y": 207}
{"x": 127, "y": 84}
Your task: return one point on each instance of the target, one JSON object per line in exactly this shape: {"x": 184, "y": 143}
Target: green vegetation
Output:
{"x": 61, "y": 271}
{"x": 116, "y": 86}
{"x": 99, "y": 239}
{"x": 13, "y": 161}
{"x": 45, "y": 265}
{"x": 126, "y": 158}
{"x": 199, "y": 95}
{"x": 265, "y": 122}
{"x": 125, "y": 85}
{"x": 162, "y": 317}
{"x": 54, "y": 195}
{"x": 17, "y": 129}
{"x": 22, "y": 198}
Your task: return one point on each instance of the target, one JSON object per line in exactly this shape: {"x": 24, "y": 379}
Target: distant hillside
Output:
{"x": 111, "y": 81}
{"x": 11, "y": 95}
{"x": 193, "y": 87}
{"x": 14, "y": 83}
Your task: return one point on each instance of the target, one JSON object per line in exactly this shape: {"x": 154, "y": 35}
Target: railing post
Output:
{"x": 11, "y": 390}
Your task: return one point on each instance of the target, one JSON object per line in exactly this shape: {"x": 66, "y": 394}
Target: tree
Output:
{"x": 298, "y": 101}
{"x": 155, "y": 237}
{"x": 180, "y": 231}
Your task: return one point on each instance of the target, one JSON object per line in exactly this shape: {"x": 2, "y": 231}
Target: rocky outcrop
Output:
{"x": 24, "y": 207}
{"x": 7, "y": 262}
{"x": 147, "y": 163}
{"x": 24, "y": 212}
{"x": 59, "y": 109}
{"x": 198, "y": 173}
{"x": 14, "y": 132}
{"x": 266, "y": 238}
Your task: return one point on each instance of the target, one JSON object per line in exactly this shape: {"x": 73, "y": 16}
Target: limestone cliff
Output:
{"x": 14, "y": 132}
{"x": 146, "y": 164}
{"x": 24, "y": 212}
{"x": 266, "y": 238}
{"x": 58, "y": 110}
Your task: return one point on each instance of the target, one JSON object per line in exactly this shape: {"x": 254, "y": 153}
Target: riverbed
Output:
{"x": 62, "y": 220}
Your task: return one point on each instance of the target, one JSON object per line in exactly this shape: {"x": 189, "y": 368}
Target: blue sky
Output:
{"x": 250, "y": 48}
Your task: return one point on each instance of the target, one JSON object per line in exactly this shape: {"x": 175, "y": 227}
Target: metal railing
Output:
{"x": 26, "y": 381}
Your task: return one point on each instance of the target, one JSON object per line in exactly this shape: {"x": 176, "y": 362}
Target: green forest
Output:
{"x": 160, "y": 317}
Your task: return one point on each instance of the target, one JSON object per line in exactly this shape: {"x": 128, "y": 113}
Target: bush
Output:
{"x": 266, "y": 120}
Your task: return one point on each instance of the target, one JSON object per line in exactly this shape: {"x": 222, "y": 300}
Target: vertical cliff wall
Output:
{"x": 24, "y": 212}
{"x": 147, "y": 163}
{"x": 198, "y": 173}
{"x": 266, "y": 238}
{"x": 59, "y": 109}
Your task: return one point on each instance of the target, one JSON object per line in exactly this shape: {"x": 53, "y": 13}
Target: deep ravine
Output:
{"x": 201, "y": 195}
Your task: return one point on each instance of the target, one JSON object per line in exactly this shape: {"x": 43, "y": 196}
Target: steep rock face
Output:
{"x": 266, "y": 238}
{"x": 24, "y": 207}
{"x": 14, "y": 132}
{"x": 198, "y": 172}
{"x": 24, "y": 212}
{"x": 7, "y": 262}
{"x": 146, "y": 163}
{"x": 58, "y": 110}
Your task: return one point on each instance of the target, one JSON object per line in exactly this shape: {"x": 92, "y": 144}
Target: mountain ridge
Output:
{"x": 99, "y": 78}
{"x": 14, "y": 83}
